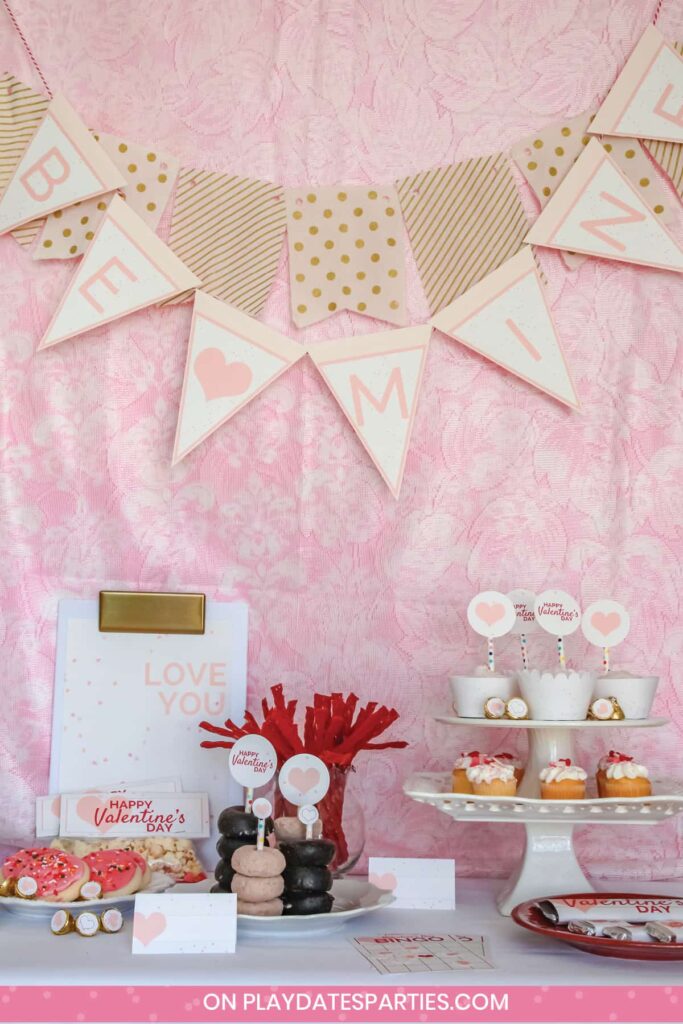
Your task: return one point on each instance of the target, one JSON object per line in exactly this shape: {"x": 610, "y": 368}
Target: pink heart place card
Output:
{"x": 184, "y": 923}
{"x": 130, "y": 814}
{"x": 416, "y": 883}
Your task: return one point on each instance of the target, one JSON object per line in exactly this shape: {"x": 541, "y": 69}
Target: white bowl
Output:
{"x": 634, "y": 693}
{"x": 470, "y": 693}
{"x": 557, "y": 696}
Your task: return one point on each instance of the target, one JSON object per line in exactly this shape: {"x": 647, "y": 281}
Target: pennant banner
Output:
{"x": 61, "y": 165}
{"x": 506, "y": 318}
{"x": 231, "y": 358}
{"x": 463, "y": 222}
{"x": 229, "y": 231}
{"x": 21, "y": 111}
{"x": 669, "y": 155}
{"x": 345, "y": 252}
{"x": 376, "y": 379}
{"x": 149, "y": 178}
{"x": 127, "y": 267}
{"x": 597, "y": 211}
{"x": 646, "y": 101}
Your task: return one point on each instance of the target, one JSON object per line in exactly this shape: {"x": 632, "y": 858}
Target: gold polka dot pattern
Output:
{"x": 150, "y": 178}
{"x": 345, "y": 252}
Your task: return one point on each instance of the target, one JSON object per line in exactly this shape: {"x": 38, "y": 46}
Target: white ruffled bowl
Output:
{"x": 634, "y": 693}
{"x": 470, "y": 693}
{"x": 557, "y": 696}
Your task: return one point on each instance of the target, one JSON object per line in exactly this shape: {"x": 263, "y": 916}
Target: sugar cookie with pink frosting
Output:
{"x": 58, "y": 875}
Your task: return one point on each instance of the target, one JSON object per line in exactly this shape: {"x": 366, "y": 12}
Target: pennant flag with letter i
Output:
{"x": 376, "y": 379}
{"x": 61, "y": 165}
{"x": 506, "y": 319}
{"x": 126, "y": 267}
{"x": 646, "y": 101}
{"x": 598, "y": 212}
{"x": 231, "y": 358}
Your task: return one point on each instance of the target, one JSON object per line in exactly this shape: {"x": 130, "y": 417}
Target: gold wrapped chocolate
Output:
{"x": 87, "y": 924}
{"x": 494, "y": 707}
{"x": 516, "y": 709}
{"x": 7, "y": 887}
{"x": 601, "y": 710}
{"x": 111, "y": 920}
{"x": 61, "y": 923}
{"x": 617, "y": 714}
{"x": 26, "y": 888}
{"x": 91, "y": 890}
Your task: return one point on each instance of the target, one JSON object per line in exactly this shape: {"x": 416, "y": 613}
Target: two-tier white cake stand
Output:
{"x": 549, "y": 863}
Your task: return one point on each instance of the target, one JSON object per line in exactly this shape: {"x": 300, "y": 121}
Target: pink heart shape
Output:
{"x": 605, "y": 623}
{"x": 86, "y": 808}
{"x": 490, "y": 613}
{"x": 56, "y": 806}
{"x": 220, "y": 379}
{"x": 387, "y": 882}
{"x": 148, "y": 927}
{"x": 303, "y": 780}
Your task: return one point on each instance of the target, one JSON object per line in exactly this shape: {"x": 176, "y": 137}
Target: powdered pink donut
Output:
{"x": 117, "y": 871}
{"x": 59, "y": 875}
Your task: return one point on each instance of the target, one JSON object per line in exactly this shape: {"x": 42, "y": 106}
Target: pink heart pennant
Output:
{"x": 304, "y": 780}
{"x": 605, "y": 623}
{"x": 490, "y": 613}
{"x": 148, "y": 927}
{"x": 220, "y": 379}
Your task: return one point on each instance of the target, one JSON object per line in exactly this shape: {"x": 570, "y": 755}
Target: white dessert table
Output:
{"x": 31, "y": 955}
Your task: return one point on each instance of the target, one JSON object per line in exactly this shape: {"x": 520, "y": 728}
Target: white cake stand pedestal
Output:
{"x": 549, "y": 864}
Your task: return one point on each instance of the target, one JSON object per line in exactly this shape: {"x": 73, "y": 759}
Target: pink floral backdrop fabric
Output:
{"x": 347, "y": 588}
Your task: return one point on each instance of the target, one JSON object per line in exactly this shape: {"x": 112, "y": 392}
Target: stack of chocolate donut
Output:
{"x": 307, "y": 876}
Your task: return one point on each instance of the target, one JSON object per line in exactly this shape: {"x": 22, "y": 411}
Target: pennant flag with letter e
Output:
{"x": 126, "y": 268}
{"x": 598, "y": 212}
{"x": 506, "y": 318}
{"x": 646, "y": 101}
{"x": 376, "y": 379}
{"x": 231, "y": 358}
{"x": 61, "y": 165}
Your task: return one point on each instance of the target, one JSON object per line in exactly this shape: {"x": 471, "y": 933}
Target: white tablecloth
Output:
{"x": 31, "y": 955}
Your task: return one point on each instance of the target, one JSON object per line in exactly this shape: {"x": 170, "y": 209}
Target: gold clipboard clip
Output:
{"x": 131, "y": 611}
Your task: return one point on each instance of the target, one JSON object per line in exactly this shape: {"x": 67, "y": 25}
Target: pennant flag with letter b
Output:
{"x": 598, "y": 212}
{"x": 126, "y": 267}
{"x": 231, "y": 358}
{"x": 646, "y": 101}
{"x": 506, "y": 319}
{"x": 61, "y": 165}
{"x": 376, "y": 379}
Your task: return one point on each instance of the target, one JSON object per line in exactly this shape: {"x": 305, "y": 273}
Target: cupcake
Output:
{"x": 625, "y": 778}
{"x": 635, "y": 694}
{"x": 470, "y": 692}
{"x": 491, "y": 778}
{"x": 562, "y": 780}
{"x": 513, "y": 762}
{"x": 604, "y": 761}
{"x": 461, "y": 783}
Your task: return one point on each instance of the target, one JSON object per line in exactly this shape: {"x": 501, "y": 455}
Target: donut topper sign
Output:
{"x": 304, "y": 779}
{"x": 262, "y": 808}
{"x": 605, "y": 624}
{"x": 491, "y": 614}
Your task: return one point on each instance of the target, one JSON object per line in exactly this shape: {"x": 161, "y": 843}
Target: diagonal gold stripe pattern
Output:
{"x": 229, "y": 231}
{"x": 21, "y": 111}
{"x": 463, "y": 222}
{"x": 669, "y": 155}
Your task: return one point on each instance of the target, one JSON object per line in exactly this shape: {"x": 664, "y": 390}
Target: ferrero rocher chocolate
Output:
{"x": 26, "y": 888}
{"x": 516, "y": 709}
{"x": 87, "y": 924}
{"x": 494, "y": 707}
{"x": 61, "y": 922}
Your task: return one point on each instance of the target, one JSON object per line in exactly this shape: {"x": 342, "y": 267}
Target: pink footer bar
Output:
{"x": 404, "y": 1004}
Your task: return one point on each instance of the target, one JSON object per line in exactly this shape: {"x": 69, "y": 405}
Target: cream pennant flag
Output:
{"x": 598, "y": 212}
{"x": 506, "y": 318}
{"x": 646, "y": 101}
{"x": 61, "y": 165}
{"x": 376, "y": 379}
{"x": 231, "y": 358}
{"x": 127, "y": 267}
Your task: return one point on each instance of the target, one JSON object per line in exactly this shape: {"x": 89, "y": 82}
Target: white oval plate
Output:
{"x": 352, "y": 898}
{"x": 44, "y": 909}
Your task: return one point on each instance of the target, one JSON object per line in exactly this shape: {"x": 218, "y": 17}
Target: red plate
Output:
{"x": 529, "y": 916}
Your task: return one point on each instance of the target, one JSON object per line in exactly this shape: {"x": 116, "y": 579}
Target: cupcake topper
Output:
{"x": 557, "y": 613}
{"x": 605, "y": 624}
{"x": 262, "y": 808}
{"x": 304, "y": 779}
{"x": 308, "y": 815}
{"x": 252, "y": 762}
{"x": 525, "y": 621}
{"x": 491, "y": 614}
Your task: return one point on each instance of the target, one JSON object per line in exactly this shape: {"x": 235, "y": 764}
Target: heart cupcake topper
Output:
{"x": 605, "y": 623}
{"x": 491, "y": 614}
{"x": 304, "y": 779}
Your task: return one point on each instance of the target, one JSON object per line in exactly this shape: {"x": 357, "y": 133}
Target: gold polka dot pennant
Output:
{"x": 346, "y": 252}
{"x": 150, "y": 177}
